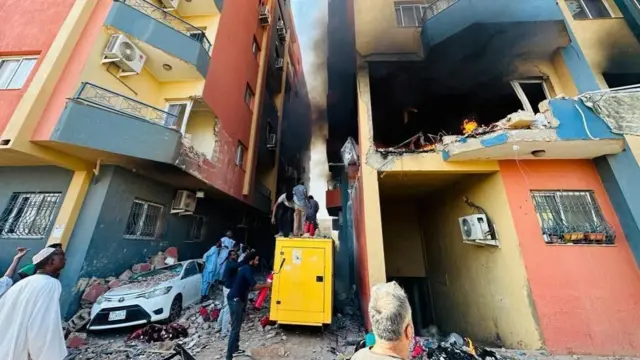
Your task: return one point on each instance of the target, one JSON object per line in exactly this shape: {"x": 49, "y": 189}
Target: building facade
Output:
{"x": 490, "y": 172}
{"x": 111, "y": 108}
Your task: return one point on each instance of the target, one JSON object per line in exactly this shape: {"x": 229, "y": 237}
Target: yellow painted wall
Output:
{"x": 377, "y": 32}
{"x": 200, "y": 127}
{"x": 480, "y": 292}
{"x": 601, "y": 39}
{"x": 403, "y": 255}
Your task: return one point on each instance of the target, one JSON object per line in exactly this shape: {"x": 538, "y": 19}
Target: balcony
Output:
{"x": 333, "y": 198}
{"x": 566, "y": 129}
{"x": 200, "y": 7}
{"x": 99, "y": 119}
{"x": 456, "y": 29}
{"x": 175, "y": 49}
{"x": 262, "y": 197}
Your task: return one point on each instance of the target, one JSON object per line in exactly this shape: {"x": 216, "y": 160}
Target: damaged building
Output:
{"x": 487, "y": 165}
{"x": 131, "y": 126}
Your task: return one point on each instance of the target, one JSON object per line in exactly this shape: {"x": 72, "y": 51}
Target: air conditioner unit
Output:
{"x": 475, "y": 230}
{"x": 121, "y": 51}
{"x": 185, "y": 201}
{"x": 280, "y": 63}
{"x": 272, "y": 141}
{"x": 264, "y": 17}
{"x": 170, "y": 4}
{"x": 282, "y": 30}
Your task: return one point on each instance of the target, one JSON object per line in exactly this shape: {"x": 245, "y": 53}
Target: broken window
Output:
{"x": 145, "y": 220}
{"x": 531, "y": 93}
{"x": 28, "y": 215}
{"x": 177, "y": 114}
{"x": 589, "y": 9}
{"x": 571, "y": 217}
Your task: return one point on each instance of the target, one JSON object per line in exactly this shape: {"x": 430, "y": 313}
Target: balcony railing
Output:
{"x": 263, "y": 189}
{"x": 436, "y": 8}
{"x": 107, "y": 99}
{"x": 173, "y": 21}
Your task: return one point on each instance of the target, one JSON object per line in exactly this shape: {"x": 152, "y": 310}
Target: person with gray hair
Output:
{"x": 390, "y": 315}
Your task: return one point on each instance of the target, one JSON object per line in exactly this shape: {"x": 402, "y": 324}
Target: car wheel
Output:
{"x": 176, "y": 309}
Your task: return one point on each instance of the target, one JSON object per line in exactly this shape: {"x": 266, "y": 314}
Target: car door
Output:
{"x": 191, "y": 279}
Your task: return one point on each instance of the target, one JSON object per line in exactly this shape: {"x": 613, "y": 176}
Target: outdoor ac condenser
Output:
{"x": 184, "y": 202}
{"x": 475, "y": 230}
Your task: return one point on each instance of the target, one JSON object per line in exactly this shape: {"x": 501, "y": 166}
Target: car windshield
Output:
{"x": 171, "y": 270}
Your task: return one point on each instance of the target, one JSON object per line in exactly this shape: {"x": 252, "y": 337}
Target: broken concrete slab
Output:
{"x": 79, "y": 320}
{"x": 126, "y": 275}
{"x": 76, "y": 340}
{"x": 94, "y": 291}
{"x": 140, "y": 268}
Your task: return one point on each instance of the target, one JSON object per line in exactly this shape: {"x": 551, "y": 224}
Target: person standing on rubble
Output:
{"x": 227, "y": 244}
{"x": 311, "y": 217}
{"x": 229, "y": 275}
{"x": 237, "y": 298}
{"x": 210, "y": 268}
{"x": 30, "y": 312}
{"x": 300, "y": 201}
{"x": 6, "y": 281}
{"x": 390, "y": 315}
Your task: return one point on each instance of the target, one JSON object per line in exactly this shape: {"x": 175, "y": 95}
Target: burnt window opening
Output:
{"x": 531, "y": 92}
{"x": 402, "y": 112}
{"x": 616, "y": 80}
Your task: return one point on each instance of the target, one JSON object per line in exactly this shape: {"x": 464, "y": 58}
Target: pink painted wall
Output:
{"x": 27, "y": 28}
{"x": 587, "y": 297}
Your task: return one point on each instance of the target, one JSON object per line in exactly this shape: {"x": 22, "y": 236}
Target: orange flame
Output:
{"x": 468, "y": 126}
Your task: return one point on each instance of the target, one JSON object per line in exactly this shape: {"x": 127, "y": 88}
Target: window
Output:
{"x": 589, "y": 9}
{"x": 190, "y": 270}
{"x": 145, "y": 220}
{"x": 571, "y": 217}
{"x": 199, "y": 228}
{"x": 531, "y": 92}
{"x": 200, "y": 265}
{"x": 255, "y": 47}
{"x": 409, "y": 14}
{"x": 28, "y": 215}
{"x": 14, "y": 71}
{"x": 198, "y": 35}
{"x": 248, "y": 97}
{"x": 240, "y": 151}
{"x": 177, "y": 114}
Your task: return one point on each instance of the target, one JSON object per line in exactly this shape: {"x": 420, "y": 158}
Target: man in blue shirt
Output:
{"x": 231, "y": 267}
{"x": 243, "y": 284}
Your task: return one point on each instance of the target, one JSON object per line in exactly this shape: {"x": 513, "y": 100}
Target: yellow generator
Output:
{"x": 302, "y": 290}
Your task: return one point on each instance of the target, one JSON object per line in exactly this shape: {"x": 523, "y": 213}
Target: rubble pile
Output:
{"x": 454, "y": 347}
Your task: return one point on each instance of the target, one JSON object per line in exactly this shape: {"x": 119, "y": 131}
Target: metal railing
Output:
{"x": 101, "y": 97}
{"x": 173, "y": 21}
{"x": 436, "y": 8}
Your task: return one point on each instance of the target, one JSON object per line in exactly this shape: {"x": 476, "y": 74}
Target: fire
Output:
{"x": 429, "y": 147}
{"x": 468, "y": 126}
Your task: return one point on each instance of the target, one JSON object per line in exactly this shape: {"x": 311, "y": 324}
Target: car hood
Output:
{"x": 143, "y": 285}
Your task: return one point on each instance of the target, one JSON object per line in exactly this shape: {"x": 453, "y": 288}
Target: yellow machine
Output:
{"x": 302, "y": 290}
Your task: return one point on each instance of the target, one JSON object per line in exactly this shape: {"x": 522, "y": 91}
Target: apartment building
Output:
{"x": 129, "y": 126}
{"x": 488, "y": 167}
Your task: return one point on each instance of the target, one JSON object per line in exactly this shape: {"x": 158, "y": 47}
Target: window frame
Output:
{"x": 203, "y": 228}
{"x": 21, "y": 58}
{"x": 186, "y": 267}
{"x": 398, "y": 5}
{"x": 523, "y": 97}
{"x": 241, "y": 152}
{"x": 251, "y": 101}
{"x": 597, "y": 215}
{"x": 255, "y": 48}
{"x": 588, "y": 12}
{"x": 11, "y": 213}
{"x": 187, "y": 112}
{"x": 157, "y": 235}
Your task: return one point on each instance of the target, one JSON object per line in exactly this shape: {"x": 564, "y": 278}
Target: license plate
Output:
{"x": 117, "y": 315}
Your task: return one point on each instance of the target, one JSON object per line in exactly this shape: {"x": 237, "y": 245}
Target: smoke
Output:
{"x": 315, "y": 67}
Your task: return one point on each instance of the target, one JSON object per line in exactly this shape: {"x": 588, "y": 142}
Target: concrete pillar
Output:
{"x": 68, "y": 214}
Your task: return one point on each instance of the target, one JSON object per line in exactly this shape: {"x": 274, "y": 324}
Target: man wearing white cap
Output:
{"x": 30, "y": 312}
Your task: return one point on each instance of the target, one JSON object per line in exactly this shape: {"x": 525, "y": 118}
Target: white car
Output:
{"x": 148, "y": 297}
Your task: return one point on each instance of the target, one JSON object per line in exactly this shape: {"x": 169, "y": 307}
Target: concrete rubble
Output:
{"x": 204, "y": 343}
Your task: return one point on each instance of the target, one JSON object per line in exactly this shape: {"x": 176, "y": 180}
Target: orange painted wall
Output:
{"x": 69, "y": 81}
{"x": 27, "y": 28}
{"x": 587, "y": 297}
{"x": 233, "y": 65}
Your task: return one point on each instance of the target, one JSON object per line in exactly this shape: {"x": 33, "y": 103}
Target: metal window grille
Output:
{"x": 409, "y": 15}
{"x": 28, "y": 215}
{"x": 589, "y": 9}
{"x": 199, "y": 228}
{"x": 145, "y": 220}
{"x": 572, "y": 217}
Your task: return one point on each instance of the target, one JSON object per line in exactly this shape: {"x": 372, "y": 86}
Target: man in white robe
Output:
{"x": 30, "y": 313}
{"x": 227, "y": 244}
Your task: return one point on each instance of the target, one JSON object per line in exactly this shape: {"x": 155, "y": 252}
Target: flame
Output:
{"x": 468, "y": 126}
{"x": 472, "y": 348}
{"x": 429, "y": 147}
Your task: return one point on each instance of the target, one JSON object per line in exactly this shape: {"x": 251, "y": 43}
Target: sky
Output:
{"x": 304, "y": 14}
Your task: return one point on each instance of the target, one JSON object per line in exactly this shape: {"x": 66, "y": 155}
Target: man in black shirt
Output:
{"x": 231, "y": 266}
{"x": 243, "y": 284}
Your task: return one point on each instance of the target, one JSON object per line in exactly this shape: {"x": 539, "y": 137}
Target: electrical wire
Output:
{"x": 584, "y": 122}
